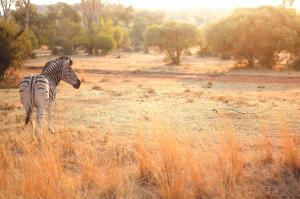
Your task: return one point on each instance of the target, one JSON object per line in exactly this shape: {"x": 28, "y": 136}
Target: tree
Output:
{"x": 246, "y": 35}
{"x": 294, "y": 48}
{"x": 5, "y": 7}
{"x": 91, "y": 12}
{"x": 64, "y": 40}
{"x": 105, "y": 43}
{"x": 288, "y": 2}
{"x": 173, "y": 38}
{"x": 118, "y": 36}
{"x": 38, "y": 25}
{"x": 121, "y": 15}
{"x": 26, "y": 5}
{"x": 12, "y": 51}
{"x": 142, "y": 20}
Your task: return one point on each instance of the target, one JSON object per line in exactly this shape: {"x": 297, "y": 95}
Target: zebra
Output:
{"x": 40, "y": 90}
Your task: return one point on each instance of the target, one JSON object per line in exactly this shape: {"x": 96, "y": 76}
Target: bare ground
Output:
{"x": 123, "y": 95}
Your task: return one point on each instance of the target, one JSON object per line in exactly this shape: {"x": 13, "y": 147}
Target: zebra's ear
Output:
{"x": 71, "y": 62}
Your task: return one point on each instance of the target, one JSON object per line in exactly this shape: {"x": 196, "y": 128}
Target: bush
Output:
{"x": 204, "y": 52}
{"x": 118, "y": 35}
{"x": 254, "y": 34}
{"x": 105, "y": 43}
{"x": 294, "y": 63}
{"x": 12, "y": 50}
{"x": 64, "y": 29}
{"x": 173, "y": 38}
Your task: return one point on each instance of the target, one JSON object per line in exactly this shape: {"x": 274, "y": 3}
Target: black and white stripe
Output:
{"x": 39, "y": 91}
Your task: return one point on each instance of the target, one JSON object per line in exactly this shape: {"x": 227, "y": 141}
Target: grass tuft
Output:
{"x": 163, "y": 164}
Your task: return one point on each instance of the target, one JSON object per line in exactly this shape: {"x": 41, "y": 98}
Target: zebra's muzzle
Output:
{"x": 77, "y": 85}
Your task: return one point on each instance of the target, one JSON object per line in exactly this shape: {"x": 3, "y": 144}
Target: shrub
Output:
{"x": 254, "y": 34}
{"x": 118, "y": 35}
{"x": 12, "y": 50}
{"x": 204, "y": 52}
{"x": 105, "y": 43}
{"x": 295, "y": 63}
{"x": 173, "y": 38}
{"x": 64, "y": 29}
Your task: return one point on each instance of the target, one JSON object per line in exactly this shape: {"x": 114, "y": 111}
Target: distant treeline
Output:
{"x": 256, "y": 35}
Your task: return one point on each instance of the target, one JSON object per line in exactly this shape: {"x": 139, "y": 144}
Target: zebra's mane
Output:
{"x": 57, "y": 60}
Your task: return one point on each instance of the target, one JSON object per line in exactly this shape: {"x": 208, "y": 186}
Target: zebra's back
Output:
{"x": 34, "y": 91}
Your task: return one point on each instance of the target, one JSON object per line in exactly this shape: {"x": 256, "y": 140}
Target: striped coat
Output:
{"x": 39, "y": 91}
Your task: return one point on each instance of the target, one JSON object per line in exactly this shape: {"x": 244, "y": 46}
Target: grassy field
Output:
{"x": 138, "y": 128}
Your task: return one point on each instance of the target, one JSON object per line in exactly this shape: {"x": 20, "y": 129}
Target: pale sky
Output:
{"x": 183, "y": 4}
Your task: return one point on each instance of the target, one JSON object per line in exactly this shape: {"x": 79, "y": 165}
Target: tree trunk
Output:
{"x": 26, "y": 19}
{"x": 146, "y": 50}
{"x": 250, "y": 61}
{"x": 90, "y": 49}
{"x": 178, "y": 56}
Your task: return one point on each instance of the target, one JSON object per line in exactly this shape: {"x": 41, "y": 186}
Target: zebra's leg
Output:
{"x": 40, "y": 116}
{"x": 50, "y": 111}
{"x": 29, "y": 120}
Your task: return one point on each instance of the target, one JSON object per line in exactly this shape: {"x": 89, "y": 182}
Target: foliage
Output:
{"x": 142, "y": 20}
{"x": 105, "y": 43}
{"x": 121, "y": 15}
{"x": 91, "y": 11}
{"x": 246, "y": 35}
{"x": 64, "y": 27}
{"x": 38, "y": 24}
{"x": 173, "y": 38}
{"x": 13, "y": 50}
{"x": 118, "y": 36}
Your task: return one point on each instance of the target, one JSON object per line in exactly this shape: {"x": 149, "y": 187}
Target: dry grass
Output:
{"x": 7, "y": 107}
{"x": 113, "y": 152}
{"x": 97, "y": 88}
{"x": 291, "y": 153}
{"x": 11, "y": 79}
{"x": 81, "y": 164}
{"x": 208, "y": 85}
{"x": 151, "y": 91}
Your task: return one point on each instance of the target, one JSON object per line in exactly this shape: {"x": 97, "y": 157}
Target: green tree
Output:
{"x": 91, "y": 11}
{"x": 253, "y": 34}
{"x": 121, "y": 15}
{"x": 15, "y": 45}
{"x": 118, "y": 36}
{"x": 12, "y": 50}
{"x": 38, "y": 24}
{"x": 105, "y": 43}
{"x": 118, "y": 33}
{"x": 65, "y": 28}
{"x": 142, "y": 20}
{"x": 173, "y": 38}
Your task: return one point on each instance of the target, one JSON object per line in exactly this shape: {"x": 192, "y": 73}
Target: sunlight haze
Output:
{"x": 186, "y": 4}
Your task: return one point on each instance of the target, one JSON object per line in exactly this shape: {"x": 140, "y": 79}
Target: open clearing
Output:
{"x": 123, "y": 95}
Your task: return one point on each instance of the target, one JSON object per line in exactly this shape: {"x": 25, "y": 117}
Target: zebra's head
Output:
{"x": 68, "y": 75}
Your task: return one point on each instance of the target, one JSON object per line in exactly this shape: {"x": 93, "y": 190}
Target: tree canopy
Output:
{"x": 255, "y": 34}
{"x": 173, "y": 38}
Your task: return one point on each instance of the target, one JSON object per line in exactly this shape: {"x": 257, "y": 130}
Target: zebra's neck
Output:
{"x": 52, "y": 81}
{"x": 53, "y": 75}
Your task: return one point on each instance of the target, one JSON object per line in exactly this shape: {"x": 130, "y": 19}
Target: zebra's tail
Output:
{"x": 28, "y": 115}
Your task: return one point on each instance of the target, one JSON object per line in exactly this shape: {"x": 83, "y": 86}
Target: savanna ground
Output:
{"x": 138, "y": 128}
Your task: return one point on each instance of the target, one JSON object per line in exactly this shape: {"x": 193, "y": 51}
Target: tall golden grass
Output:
{"x": 81, "y": 164}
